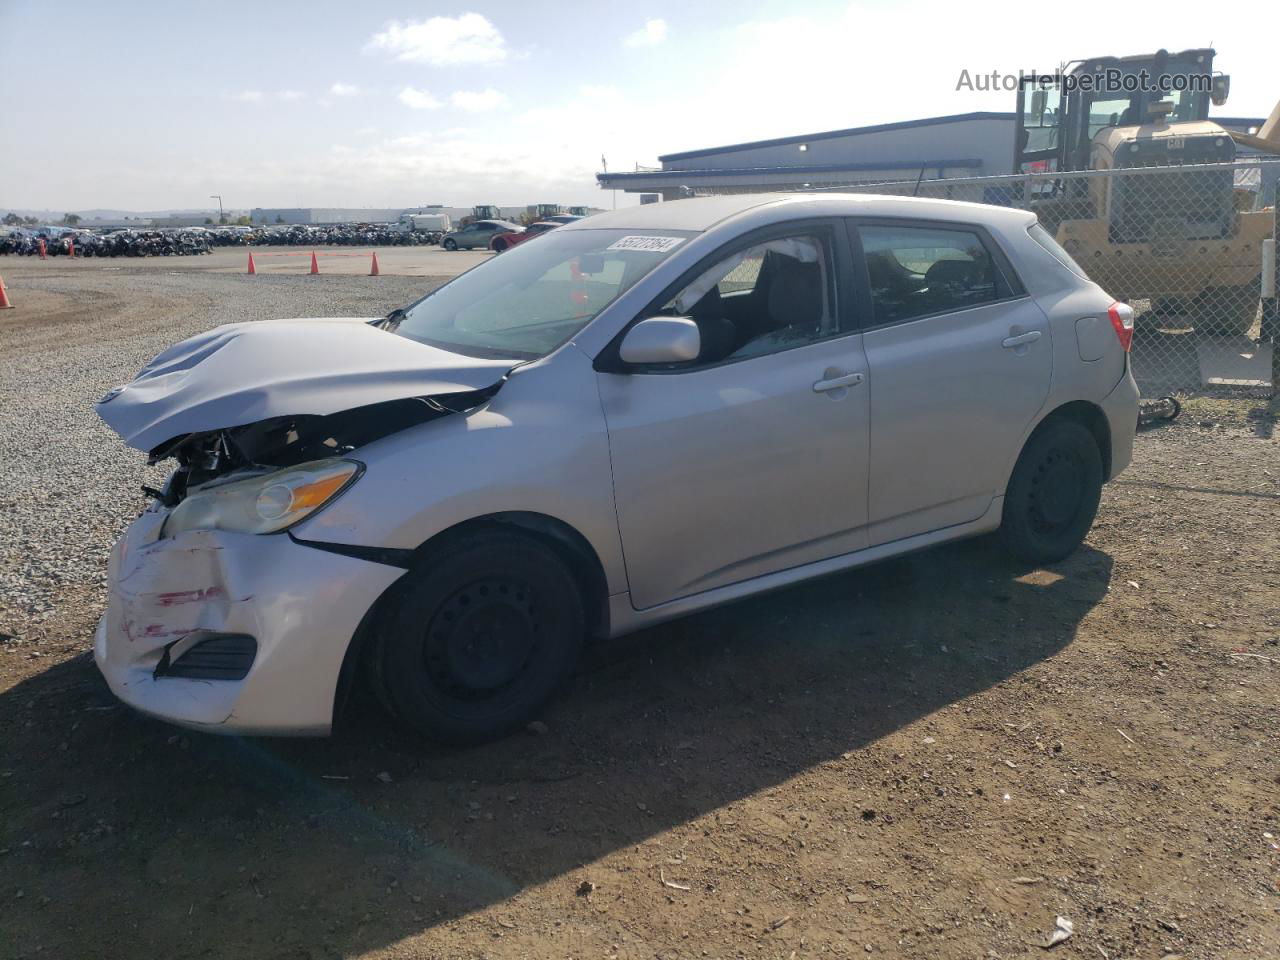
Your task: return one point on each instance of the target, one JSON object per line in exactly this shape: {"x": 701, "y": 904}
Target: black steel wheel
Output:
{"x": 1053, "y": 494}
{"x": 479, "y": 636}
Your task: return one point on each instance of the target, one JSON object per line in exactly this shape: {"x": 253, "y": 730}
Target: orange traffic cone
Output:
{"x": 373, "y": 269}
{"x": 71, "y": 248}
{"x": 43, "y": 256}
{"x": 4, "y": 297}
{"x": 315, "y": 266}
{"x": 252, "y": 268}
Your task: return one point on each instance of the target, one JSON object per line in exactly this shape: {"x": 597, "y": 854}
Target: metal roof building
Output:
{"x": 323, "y": 215}
{"x": 961, "y": 145}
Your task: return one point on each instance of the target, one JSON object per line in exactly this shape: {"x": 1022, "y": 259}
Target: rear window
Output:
{"x": 1042, "y": 236}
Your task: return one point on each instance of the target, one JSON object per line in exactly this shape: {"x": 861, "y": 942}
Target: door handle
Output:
{"x": 1031, "y": 336}
{"x": 835, "y": 383}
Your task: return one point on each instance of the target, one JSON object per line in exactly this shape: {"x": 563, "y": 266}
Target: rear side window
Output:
{"x": 1042, "y": 236}
{"x": 917, "y": 271}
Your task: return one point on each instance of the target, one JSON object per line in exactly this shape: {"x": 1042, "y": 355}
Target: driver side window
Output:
{"x": 765, "y": 298}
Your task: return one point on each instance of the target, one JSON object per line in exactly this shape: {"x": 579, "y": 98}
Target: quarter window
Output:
{"x": 916, "y": 271}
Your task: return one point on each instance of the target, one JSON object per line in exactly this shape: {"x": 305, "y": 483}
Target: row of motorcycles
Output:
{"x": 195, "y": 241}
{"x": 123, "y": 243}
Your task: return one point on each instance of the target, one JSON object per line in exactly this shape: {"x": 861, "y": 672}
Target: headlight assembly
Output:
{"x": 266, "y": 503}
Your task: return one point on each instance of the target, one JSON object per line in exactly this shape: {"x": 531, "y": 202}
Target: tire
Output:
{"x": 450, "y": 244}
{"x": 1053, "y": 494}
{"x": 1168, "y": 307}
{"x": 499, "y": 246}
{"x": 478, "y": 637}
{"x": 1228, "y": 311}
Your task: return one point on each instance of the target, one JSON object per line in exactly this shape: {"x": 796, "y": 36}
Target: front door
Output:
{"x": 753, "y": 458}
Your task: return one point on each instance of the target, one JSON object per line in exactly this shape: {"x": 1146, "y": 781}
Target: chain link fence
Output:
{"x": 1184, "y": 245}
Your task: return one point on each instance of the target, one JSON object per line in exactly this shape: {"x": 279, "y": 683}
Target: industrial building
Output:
{"x": 320, "y": 216}
{"x": 323, "y": 215}
{"x": 962, "y": 145}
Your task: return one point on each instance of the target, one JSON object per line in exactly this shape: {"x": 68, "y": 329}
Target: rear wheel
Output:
{"x": 480, "y": 635}
{"x": 450, "y": 244}
{"x": 1053, "y": 494}
{"x": 499, "y": 245}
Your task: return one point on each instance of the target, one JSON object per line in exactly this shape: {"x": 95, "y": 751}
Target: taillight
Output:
{"x": 1121, "y": 315}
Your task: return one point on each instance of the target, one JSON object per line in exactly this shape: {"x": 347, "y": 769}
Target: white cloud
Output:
{"x": 599, "y": 91}
{"x": 478, "y": 101}
{"x": 443, "y": 41}
{"x": 418, "y": 99}
{"x": 290, "y": 94}
{"x": 344, "y": 89}
{"x": 651, "y": 34}
{"x": 247, "y": 96}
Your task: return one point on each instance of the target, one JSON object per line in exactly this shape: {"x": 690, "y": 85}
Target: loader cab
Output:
{"x": 1059, "y": 115}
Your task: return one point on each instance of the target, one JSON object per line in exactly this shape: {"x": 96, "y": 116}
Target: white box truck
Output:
{"x": 425, "y": 222}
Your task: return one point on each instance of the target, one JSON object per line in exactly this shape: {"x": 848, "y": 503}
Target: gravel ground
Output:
{"x": 69, "y": 485}
{"x": 931, "y": 758}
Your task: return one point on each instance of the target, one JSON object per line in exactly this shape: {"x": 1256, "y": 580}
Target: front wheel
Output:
{"x": 479, "y": 636}
{"x": 450, "y": 244}
{"x": 1053, "y": 494}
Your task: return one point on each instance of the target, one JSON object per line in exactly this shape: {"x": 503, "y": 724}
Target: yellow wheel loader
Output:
{"x": 1188, "y": 242}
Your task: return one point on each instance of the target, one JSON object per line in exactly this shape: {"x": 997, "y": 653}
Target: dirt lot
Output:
{"x": 931, "y": 758}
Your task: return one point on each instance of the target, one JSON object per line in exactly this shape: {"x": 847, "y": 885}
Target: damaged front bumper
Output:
{"x": 261, "y": 622}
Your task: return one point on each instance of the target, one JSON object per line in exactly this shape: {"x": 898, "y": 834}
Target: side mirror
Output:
{"x": 1221, "y": 89}
{"x": 1039, "y": 101}
{"x": 661, "y": 340}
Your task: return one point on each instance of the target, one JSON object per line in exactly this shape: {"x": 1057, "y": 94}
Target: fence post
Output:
{"x": 1270, "y": 331}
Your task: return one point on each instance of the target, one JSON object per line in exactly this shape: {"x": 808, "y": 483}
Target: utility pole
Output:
{"x": 222, "y": 219}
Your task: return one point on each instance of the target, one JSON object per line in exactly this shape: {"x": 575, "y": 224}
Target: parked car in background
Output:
{"x": 505, "y": 241}
{"x": 561, "y": 218}
{"x": 737, "y": 392}
{"x": 478, "y": 234}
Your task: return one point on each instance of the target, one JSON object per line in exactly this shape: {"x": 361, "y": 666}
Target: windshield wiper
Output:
{"x": 392, "y": 320}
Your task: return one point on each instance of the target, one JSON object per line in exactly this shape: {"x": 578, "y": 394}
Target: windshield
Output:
{"x": 534, "y": 297}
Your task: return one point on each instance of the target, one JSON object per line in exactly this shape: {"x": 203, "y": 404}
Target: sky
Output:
{"x": 141, "y": 105}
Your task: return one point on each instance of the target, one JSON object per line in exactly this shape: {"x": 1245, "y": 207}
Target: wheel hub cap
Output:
{"x": 482, "y": 637}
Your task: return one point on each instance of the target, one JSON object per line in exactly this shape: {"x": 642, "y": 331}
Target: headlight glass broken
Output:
{"x": 266, "y": 503}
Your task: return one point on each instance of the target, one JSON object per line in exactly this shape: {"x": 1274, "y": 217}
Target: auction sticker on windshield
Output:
{"x": 648, "y": 244}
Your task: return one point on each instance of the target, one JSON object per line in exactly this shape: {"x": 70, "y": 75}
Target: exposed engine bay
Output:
{"x": 289, "y": 440}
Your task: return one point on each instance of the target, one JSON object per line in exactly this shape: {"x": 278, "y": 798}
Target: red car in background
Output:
{"x": 504, "y": 241}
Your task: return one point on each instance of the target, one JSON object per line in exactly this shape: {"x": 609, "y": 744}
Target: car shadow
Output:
{"x": 151, "y": 841}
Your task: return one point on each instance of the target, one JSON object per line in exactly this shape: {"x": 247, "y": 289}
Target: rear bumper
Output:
{"x": 302, "y": 607}
{"x": 1121, "y": 409}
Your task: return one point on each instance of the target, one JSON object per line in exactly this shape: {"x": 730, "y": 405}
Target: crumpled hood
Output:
{"x": 241, "y": 373}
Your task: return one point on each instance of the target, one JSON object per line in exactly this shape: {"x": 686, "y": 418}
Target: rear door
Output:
{"x": 959, "y": 363}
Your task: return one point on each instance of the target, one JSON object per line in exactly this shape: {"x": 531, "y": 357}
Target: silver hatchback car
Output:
{"x": 641, "y": 415}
